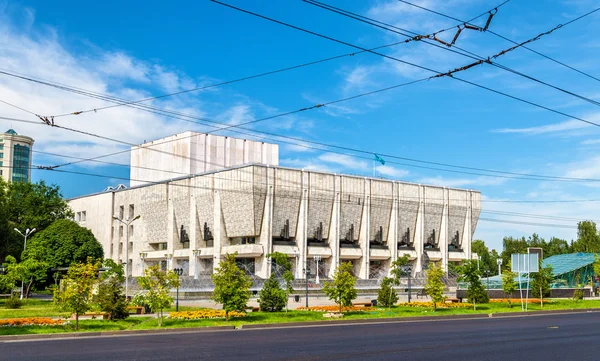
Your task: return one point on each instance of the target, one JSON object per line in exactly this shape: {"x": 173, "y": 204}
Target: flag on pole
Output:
{"x": 379, "y": 159}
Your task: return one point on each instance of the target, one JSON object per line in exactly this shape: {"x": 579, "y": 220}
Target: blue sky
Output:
{"x": 136, "y": 49}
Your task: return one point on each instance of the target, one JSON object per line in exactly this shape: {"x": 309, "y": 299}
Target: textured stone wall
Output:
{"x": 154, "y": 213}
{"x": 202, "y": 191}
{"x": 408, "y": 208}
{"x": 237, "y": 201}
{"x": 434, "y": 209}
{"x": 382, "y": 198}
{"x": 320, "y": 202}
{"x": 286, "y": 202}
{"x": 351, "y": 205}
{"x": 179, "y": 194}
{"x": 259, "y": 195}
{"x": 475, "y": 210}
{"x": 457, "y": 213}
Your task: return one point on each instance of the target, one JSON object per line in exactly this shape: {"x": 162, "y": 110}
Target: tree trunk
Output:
{"x": 474, "y": 306}
{"x": 160, "y": 318}
{"x": 541, "y": 298}
{"x": 76, "y": 321}
{"x": 28, "y": 288}
{"x": 340, "y": 307}
{"x": 226, "y": 315}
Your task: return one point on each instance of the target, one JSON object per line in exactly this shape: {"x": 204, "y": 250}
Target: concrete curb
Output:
{"x": 113, "y": 333}
{"x": 362, "y": 321}
{"x": 479, "y": 316}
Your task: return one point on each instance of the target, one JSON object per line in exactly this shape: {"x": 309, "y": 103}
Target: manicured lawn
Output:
{"x": 32, "y": 308}
{"x": 36, "y": 308}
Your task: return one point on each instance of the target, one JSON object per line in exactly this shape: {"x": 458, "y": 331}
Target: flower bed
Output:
{"x": 439, "y": 305}
{"x": 517, "y": 300}
{"x": 335, "y": 308}
{"x": 203, "y": 314}
{"x": 30, "y": 321}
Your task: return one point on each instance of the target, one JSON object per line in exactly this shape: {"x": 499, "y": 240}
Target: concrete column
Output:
{"x": 393, "y": 230}
{"x": 468, "y": 232}
{"x": 194, "y": 241}
{"x": 266, "y": 237}
{"x": 363, "y": 239}
{"x": 334, "y": 228}
{"x": 420, "y": 230}
{"x": 218, "y": 235}
{"x": 171, "y": 239}
{"x": 444, "y": 232}
{"x": 301, "y": 234}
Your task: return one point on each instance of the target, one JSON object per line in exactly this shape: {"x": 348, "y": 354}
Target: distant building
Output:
{"x": 15, "y": 156}
{"x": 240, "y": 200}
{"x": 192, "y": 153}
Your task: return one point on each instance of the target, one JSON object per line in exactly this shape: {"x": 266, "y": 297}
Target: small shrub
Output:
{"x": 387, "y": 296}
{"x": 272, "y": 298}
{"x": 13, "y": 303}
{"x": 578, "y": 294}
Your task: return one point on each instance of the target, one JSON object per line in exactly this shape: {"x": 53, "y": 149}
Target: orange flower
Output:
{"x": 30, "y": 321}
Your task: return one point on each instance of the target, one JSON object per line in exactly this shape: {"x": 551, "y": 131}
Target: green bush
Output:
{"x": 112, "y": 300}
{"x": 272, "y": 298}
{"x": 387, "y": 296}
{"x": 578, "y": 294}
{"x": 13, "y": 303}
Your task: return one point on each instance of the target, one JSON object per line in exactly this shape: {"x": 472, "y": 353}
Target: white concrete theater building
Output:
{"x": 233, "y": 197}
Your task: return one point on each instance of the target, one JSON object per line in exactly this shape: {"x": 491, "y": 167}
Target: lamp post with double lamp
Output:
{"x": 317, "y": 259}
{"x": 126, "y": 222}
{"x": 178, "y": 272}
{"x": 499, "y": 262}
{"x": 27, "y": 233}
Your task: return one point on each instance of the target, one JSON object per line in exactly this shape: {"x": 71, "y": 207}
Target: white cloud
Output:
{"x": 545, "y": 129}
{"x": 391, "y": 171}
{"x": 461, "y": 182}
{"x": 345, "y": 161}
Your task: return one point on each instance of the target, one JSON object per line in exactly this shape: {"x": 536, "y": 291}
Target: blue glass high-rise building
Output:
{"x": 15, "y": 156}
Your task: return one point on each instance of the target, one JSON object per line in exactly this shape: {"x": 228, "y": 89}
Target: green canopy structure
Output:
{"x": 569, "y": 270}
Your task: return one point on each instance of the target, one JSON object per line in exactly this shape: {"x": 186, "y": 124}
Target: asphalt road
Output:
{"x": 532, "y": 338}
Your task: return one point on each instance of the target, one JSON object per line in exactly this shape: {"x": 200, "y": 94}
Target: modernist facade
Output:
{"x": 315, "y": 218}
{"x": 192, "y": 153}
{"x": 15, "y": 156}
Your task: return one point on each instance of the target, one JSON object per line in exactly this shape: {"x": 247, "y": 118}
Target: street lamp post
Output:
{"x": 499, "y": 262}
{"x": 178, "y": 272}
{"x": 317, "y": 259}
{"x": 28, "y": 232}
{"x": 408, "y": 270}
{"x": 306, "y": 273}
{"x": 487, "y": 280}
{"x": 127, "y": 222}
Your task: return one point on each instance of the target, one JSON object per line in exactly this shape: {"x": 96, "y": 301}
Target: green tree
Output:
{"x": 487, "y": 259}
{"x": 282, "y": 261}
{"x": 28, "y": 271}
{"x": 62, "y": 244}
{"x": 110, "y": 291}
{"x": 75, "y": 292}
{"x": 588, "y": 239}
{"x": 232, "y": 285}
{"x": 386, "y": 295}
{"x": 471, "y": 274}
{"x": 271, "y": 297}
{"x": 510, "y": 246}
{"x": 540, "y": 283}
{"x": 434, "y": 284}
{"x": 28, "y": 205}
{"x": 509, "y": 285}
{"x": 158, "y": 285}
{"x": 341, "y": 289}
{"x": 556, "y": 246}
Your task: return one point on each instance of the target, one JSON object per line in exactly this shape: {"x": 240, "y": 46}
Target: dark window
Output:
{"x": 20, "y": 163}
{"x": 246, "y": 264}
{"x": 242, "y": 240}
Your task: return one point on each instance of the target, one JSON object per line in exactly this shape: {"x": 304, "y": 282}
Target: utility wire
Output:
{"x": 438, "y": 73}
{"x": 528, "y": 177}
{"x": 480, "y": 59}
{"x": 509, "y": 40}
